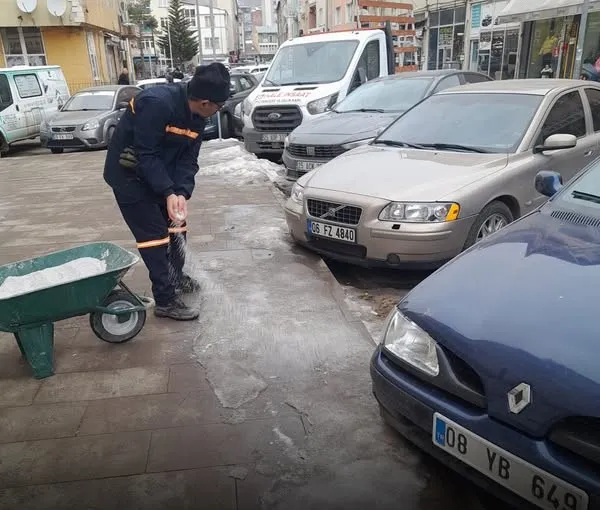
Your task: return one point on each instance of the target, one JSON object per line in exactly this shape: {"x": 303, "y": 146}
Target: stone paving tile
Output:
{"x": 18, "y": 392}
{"x": 34, "y": 422}
{"x": 77, "y": 458}
{"x": 187, "y": 377}
{"x": 81, "y": 386}
{"x": 214, "y": 445}
{"x": 197, "y": 489}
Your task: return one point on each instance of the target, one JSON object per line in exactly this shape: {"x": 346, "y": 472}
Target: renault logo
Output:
{"x": 274, "y": 116}
{"x": 310, "y": 151}
{"x": 519, "y": 398}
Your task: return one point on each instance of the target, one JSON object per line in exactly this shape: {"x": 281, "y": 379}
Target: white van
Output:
{"x": 28, "y": 95}
{"x": 307, "y": 77}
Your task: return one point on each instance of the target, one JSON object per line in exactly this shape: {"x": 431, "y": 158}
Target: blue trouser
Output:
{"x": 161, "y": 245}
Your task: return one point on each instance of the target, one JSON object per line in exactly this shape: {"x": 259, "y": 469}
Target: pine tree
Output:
{"x": 185, "y": 45}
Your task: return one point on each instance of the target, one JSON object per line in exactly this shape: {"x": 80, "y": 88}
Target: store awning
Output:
{"x": 520, "y": 10}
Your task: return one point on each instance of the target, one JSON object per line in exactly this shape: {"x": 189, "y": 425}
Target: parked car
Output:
{"x": 449, "y": 172}
{"x": 88, "y": 119}
{"x": 491, "y": 363}
{"x": 28, "y": 95}
{"x": 153, "y": 82}
{"x": 241, "y": 86}
{"x": 362, "y": 115}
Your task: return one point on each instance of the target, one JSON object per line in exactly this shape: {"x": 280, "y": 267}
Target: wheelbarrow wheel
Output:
{"x": 117, "y": 329}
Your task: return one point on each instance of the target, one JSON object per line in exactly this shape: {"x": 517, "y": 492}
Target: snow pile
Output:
{"x": 77, "y": 269}
{"x": 229, "y": 159}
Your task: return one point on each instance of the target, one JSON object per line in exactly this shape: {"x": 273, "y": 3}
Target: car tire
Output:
{"x": 57, "y": 150}
{"x": 493, "y": 215}
{"x": 225, "y": 126}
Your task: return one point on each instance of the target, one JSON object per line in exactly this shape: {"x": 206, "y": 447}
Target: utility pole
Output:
{"x": 581, "y": 38}
{"x": 199, "y": 33}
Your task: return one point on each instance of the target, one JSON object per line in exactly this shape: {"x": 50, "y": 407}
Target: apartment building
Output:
{"x": 87, "y": 38}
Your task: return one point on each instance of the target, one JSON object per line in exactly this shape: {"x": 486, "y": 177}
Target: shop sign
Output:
{"x": 484, "y": 16}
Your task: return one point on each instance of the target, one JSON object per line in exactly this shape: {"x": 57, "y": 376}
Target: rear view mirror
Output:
{"x": 556, "y": 142}
{"x": 548, "y": 183}
{"x": 122, "y": 105}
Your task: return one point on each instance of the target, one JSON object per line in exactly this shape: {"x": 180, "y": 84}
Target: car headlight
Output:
{"x": 237, "y": 111}
{"x": 247, "y": 106}
{"x": 94, "y": 124}
{"x": 420, "y": 213}
{"x": 321, "y": 105}
{"x": 357, "y": 143}
{"x": 297, "y": 194}
{"x": 407, "y": 341}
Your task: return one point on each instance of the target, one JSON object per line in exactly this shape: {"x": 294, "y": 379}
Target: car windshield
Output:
{"x": 585, "y": 190}
{"x": 482, "y": 122}
{"x": 97, "y": 100}
{"x": 311, "y": 63}
{"x": 393, "y": 95}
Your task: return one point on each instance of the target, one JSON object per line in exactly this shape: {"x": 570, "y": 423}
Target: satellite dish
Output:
{"x": 57, "y": 7}
{"x": 27, "y": 6}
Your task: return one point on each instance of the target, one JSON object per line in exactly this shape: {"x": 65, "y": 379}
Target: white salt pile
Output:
{"x": 77, "y": 269}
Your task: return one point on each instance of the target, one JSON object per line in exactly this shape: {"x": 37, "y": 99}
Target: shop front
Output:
{"x": 550, "y": 35}
{"x": 493, "y": 47}
{"x": 446, "y": 35}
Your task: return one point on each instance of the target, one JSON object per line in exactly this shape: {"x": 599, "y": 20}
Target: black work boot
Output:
{"x": 176, "y": 310}
{"x": 188, "y": 285}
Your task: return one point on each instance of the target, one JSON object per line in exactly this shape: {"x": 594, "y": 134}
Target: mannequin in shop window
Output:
{"x": 547, "y": 71}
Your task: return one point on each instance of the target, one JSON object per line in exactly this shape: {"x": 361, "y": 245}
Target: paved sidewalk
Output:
{"x": 265, "y": 402}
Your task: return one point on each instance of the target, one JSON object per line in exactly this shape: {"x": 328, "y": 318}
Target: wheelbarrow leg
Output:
{"x": 37, "y": 345}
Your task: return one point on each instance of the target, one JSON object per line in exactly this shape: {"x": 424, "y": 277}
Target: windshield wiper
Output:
{"x": 300, "y": 83}
{"x": 272, "y": 83}
{"x": 453, "y": 146}
{"x": 394, "y": 143}
{"x": 365, "y": 110}
{"x": 588, "y": 197}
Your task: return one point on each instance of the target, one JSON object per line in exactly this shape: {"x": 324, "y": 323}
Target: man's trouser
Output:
{"x": 161, "y": 245}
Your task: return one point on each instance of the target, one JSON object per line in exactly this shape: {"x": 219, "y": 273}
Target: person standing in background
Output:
{"x": 123, "y": 77}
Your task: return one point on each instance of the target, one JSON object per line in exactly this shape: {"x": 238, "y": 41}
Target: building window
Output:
{"x": 93, "y": 57}
{"x": 207, "y": 21}
{"x": 446, "y": 39}
{"x": 190, "y": 15}
{"x": 23, "y": 46}
{"x": 164, "y": 23}
{"x": 349, "y": 12}
{"x": 338, "y": 16}
{"x": 208, "y": 45}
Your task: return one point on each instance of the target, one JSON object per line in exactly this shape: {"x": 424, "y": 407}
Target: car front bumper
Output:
{"x": 410, "y": 246}
{"x": 254, "y": 141}
{"x": 408, "y": 405}
{"x": 89, "y": 139}
{"x": 296, "y": 167}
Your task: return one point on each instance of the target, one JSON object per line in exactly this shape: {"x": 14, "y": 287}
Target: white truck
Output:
{"x": 308, "y": 76}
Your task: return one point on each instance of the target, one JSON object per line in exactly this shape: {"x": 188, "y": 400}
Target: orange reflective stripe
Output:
{"x": 177, "y": 230}
{"x": 183, "y": 132}
{"x": 131, "y": 106}
{"x": 153, "y": 244}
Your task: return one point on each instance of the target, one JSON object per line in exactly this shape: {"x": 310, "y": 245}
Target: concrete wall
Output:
{"x": 100, "y": 13}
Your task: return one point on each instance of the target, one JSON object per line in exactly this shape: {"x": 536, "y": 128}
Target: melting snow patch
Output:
{"x": 283, "y": 438}
{"x": 230, "y": 160}
{"x": 77, "y": 269}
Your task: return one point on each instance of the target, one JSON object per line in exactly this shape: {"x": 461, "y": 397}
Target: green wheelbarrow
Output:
{"x": 116, "y": 313}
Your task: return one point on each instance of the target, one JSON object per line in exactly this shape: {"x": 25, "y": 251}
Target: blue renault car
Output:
{"x": 492, "y": 364}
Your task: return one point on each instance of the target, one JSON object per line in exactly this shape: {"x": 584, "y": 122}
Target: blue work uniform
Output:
{"x": 166, "y": 137}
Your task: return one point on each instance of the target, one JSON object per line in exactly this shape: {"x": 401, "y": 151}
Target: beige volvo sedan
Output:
{"x": 457, "y": 167}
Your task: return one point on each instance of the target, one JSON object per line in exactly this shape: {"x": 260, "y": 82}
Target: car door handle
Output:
{"x": 588, "y": 154}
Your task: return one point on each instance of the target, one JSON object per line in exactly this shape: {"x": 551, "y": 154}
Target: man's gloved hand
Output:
{"x": 128, "y": 158}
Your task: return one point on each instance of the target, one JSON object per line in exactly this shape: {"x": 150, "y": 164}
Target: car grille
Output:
{"x": 290, "y": 117}
{"x": 67, "y": 129}
{"x": 346, "y": 214}
{"x": 315, "y": 151}
{"x": 580, "y": 436}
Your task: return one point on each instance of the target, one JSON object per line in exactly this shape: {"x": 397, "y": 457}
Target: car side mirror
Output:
{"x": 556, "y": 142}
{"x": 122, "y": 105}
{"x": 548, "y": 183}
